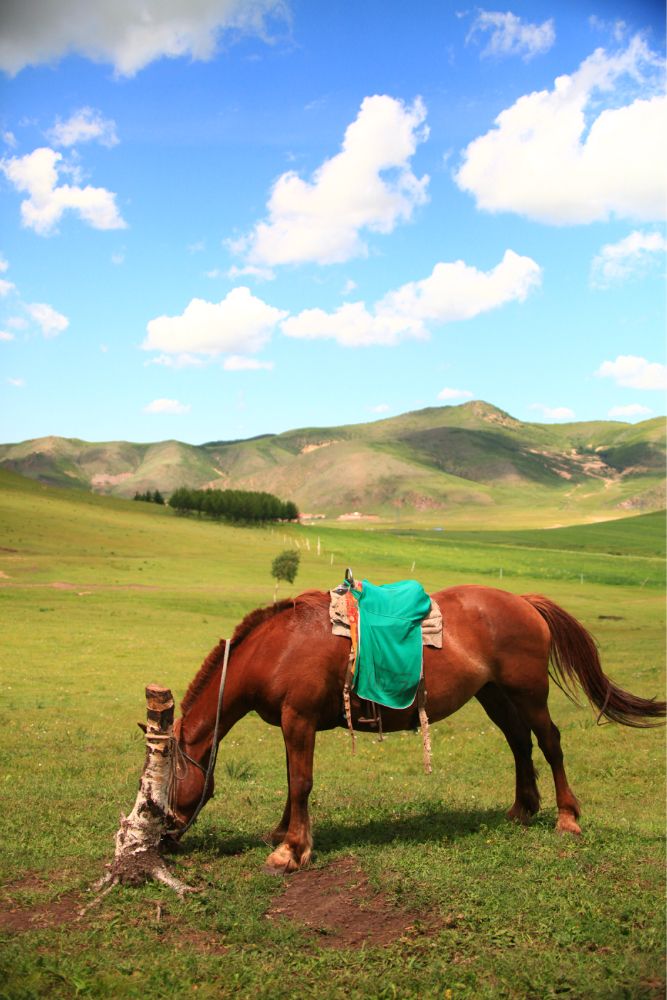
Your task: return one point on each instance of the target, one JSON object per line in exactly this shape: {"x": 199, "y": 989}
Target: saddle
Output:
{"x": 387, "y": 627}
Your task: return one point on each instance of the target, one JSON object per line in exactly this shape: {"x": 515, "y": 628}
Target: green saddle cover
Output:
{"x": 389, "y": 658}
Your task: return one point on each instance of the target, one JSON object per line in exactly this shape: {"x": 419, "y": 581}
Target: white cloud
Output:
{"x": 368, "y": 185}
{"x": 553, "y": 412}
{"x": 85, "y": 125}
{"x": 633, "y": 372}
{"x": 17, "y": 322}
{"x": 4, "y": 265}
{"x": 629, "y": 257}
{"x": 118, "y": 258}
{"x": 510, "y": 36}
{"x": 617, "y": 29}
{"x": 453, "y": 291}
{"x": 251, "y": 271}
{"x": 18, "y": 383}
{"x": 37, "y": 174}
{"x": 9, "y": 139}
{"x": 240, "y": 323}
{"x": 6, "y": 287}
{"x": 448, "y": 393}
{"x": 238, "y": 363}
{"x": 581, "y": 152}
{"x": 380, "y": 408}
{"x": 49, "y": 321}
{"x": 176, "y": 361}
{"x": 125, "y": 33}
{"x": 631, "y": 410}
{"x": 167, "y": 406}
{"x": 4, "y": 335}
{"x": 348, "y": 287}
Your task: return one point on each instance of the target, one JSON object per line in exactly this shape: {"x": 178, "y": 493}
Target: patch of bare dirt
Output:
{"x": 18, "y": 919}
{"x": 338, "y": 904}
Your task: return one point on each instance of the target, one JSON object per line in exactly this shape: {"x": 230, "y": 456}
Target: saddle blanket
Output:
{"x": 394, "y": 621}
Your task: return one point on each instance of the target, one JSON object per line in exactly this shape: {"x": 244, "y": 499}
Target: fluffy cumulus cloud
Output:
{"x": 554, "y": 412}
{"x": 631, "y": 410}
{"x": 632, "y": 372}
{"x": 37, "y": 174}
{"x": 510, "y": 36}
{"x": 367, "y": 186}
{"x": 124, "y": 33}
{"x": 85, "y": 125}
{"x": 50, "y": 322}
{"x": 167, "y": 406}
{"x": 239, "y": 324}
{"x": 591, "y": 148}
{"x": 450, "y": 394}
{"x": 453, "y": 291}
{"x": 631, "y": 256}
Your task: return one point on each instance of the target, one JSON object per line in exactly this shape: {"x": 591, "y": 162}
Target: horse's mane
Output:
{"x": 309, "y": 600}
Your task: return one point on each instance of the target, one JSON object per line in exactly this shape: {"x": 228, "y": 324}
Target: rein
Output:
{"x": 208, "y": 773}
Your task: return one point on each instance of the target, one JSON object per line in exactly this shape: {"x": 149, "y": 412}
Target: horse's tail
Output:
{"x": 574, "y": 657}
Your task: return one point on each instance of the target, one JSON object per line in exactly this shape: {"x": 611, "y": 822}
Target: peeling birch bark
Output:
{"x": 137, "y": 857}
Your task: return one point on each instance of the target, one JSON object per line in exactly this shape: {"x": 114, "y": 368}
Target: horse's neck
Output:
{"x": 199, "y": 722}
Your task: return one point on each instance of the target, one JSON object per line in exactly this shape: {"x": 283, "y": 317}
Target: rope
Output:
{"x": 346, "y": 699}
{"x": 423, "y": 720}
{"x": 214, "y": 745}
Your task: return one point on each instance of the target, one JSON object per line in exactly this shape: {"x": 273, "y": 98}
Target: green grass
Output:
{"x": 518, "y": 913}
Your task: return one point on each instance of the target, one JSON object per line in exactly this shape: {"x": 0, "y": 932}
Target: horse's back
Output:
{"x": 485, "y": 613}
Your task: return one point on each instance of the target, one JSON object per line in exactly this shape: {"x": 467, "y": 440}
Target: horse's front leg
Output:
{"x": 295, "y": 850}
{"x": 278, "y": 834}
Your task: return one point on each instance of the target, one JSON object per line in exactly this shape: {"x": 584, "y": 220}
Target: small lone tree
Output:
{"x": 285, "y": 567}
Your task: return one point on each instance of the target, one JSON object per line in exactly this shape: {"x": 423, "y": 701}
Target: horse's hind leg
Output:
{"x": 532, "y": 705}
{"x": 500, "y": 710}
{"x": 297, "y": 844}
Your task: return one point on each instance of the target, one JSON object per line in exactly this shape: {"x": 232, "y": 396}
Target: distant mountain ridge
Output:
{"x": 426, "y": 462}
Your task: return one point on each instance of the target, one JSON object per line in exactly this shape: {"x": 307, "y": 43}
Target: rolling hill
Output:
{"x": 472, "y": 463}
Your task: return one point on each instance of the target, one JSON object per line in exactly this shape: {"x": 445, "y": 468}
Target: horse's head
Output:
{"x": 191, "y": 759}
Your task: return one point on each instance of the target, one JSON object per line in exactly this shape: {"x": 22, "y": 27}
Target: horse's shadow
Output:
{"x": 421, "y": 827}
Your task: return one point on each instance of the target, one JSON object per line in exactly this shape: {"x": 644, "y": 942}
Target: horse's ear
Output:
{"x": 142, "y": 726}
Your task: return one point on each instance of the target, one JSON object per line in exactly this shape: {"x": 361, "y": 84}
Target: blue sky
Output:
{"x": 228, "y": 217}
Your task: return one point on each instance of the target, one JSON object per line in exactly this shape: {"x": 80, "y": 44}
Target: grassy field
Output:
{"x": 101, "y": 596}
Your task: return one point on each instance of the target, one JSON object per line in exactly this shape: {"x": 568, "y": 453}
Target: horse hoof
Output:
{"x": 519, "y": 815}
{"x": 281, "y": 862}
{"x": 568, "y": 824}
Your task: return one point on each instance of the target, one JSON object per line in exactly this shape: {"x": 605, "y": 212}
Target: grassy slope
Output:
{"x": 521, "y": 912}
{"x": 433, "y": 463}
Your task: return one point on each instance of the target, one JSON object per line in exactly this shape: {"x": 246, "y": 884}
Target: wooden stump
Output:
{"x": 137, "y": 856}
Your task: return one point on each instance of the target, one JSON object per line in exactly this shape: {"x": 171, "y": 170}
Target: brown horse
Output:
{"x": 285, "y": 664}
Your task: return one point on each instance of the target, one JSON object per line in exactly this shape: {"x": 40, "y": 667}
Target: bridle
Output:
{"x": 180, "y": 754}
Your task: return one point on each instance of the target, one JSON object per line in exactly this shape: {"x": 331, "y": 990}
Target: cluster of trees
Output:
{"x": 240, "y": 506}
{"x": 149, "y": 497}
